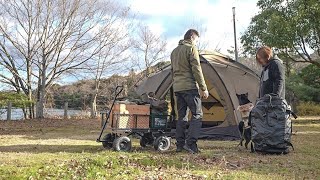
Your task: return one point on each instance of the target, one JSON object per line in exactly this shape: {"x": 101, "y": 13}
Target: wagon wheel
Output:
{"x": 162, "y": 143}
{"x": 122, "y": 143}
{"x": 108, "y": 141}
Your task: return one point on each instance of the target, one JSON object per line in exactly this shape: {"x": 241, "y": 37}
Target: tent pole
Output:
{"x": 235, "y": 34}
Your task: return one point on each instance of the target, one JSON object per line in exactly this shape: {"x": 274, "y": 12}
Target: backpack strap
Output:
{"x": 249, "y": 124}
{"x": 249, "y": 119}
{"x": 252, "y": 147}
{"x": 290, "y": 144}
{"x": 290, "y": 112}
{"x": 291, "y": 127}
{"x": 294, "y": 115}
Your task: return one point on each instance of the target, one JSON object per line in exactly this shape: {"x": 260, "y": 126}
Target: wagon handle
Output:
{"x": 118, "y": 90}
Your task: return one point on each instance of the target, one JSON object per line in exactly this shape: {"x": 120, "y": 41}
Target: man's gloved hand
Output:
{"x": 204, "y": 94}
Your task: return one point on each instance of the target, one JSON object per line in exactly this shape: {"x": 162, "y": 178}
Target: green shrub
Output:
{"x": 305, "y": 85}
{"x": 18, "y": 100}
{"x": 308, "y": 109}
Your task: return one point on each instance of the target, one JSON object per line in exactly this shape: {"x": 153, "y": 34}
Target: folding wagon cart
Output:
{"x": 130, "y": 120}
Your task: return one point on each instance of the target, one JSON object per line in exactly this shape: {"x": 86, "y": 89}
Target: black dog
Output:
{"x": 243, "y": 99}
{"x": 244, "y": 129}
{"x": 245, "y": 134}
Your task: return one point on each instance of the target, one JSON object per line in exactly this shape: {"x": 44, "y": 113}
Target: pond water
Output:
{"x": 17, "y": 114}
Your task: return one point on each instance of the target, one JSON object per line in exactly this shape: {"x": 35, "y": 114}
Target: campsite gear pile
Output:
{"x": 127, "y": 119}
{"x": 271, "y": 126}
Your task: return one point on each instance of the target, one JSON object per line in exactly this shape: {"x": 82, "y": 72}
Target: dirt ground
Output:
{"x": 66, "y": 149}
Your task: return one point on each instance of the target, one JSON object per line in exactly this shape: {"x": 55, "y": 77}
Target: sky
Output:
{"x": 172, "y": 18}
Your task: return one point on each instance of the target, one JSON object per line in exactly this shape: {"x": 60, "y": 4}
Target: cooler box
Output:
{"x": 159, "y": 121}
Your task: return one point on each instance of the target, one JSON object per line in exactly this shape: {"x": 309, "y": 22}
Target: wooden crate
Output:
{"x": 122, "y": 108}
{"x": 130, "y": 116}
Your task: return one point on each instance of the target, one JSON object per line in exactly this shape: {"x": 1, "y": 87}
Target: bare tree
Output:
{"x": 18, "y": 44}
{"x": 116, "y": 38}
{"x": 45, "y": 39}
{"x": 150, "y": 47}
{"x": 202, "y": 29}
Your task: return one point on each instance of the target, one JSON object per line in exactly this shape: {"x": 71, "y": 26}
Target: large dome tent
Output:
{"x": 225, "y": 79}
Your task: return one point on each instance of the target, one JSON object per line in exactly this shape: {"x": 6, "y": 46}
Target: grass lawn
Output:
{"x": 66, "y": 149}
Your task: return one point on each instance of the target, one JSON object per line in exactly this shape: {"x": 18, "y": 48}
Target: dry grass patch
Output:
{"x": 58, "y": 149}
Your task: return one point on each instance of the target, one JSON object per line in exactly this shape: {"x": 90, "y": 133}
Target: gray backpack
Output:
{"x": 271, "y": 126}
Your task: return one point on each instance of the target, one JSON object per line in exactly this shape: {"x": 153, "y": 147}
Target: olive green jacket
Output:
{"x": 186, "y": 69}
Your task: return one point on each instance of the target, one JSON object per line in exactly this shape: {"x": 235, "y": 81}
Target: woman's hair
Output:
{"x": 190, "y": 33}
{"x": 264, "y": 52}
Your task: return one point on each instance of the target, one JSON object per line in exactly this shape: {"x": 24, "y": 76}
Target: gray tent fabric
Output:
{"x": 155, "y": 83}
{"x": 225, "y": 78}
{"x": 218, "y": 133}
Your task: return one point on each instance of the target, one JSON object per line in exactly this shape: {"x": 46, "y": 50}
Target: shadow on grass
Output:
{"x": 63, "y": 134}
{"x": 54, "y": 133}
{"x": 38, "y": 148}
{"x": 52, "y": 129}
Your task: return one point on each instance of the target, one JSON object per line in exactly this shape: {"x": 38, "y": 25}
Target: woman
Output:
{"x": 272, "y": 79}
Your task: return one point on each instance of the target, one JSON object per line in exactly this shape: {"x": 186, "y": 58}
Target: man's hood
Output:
{"x": 184, "y": 42}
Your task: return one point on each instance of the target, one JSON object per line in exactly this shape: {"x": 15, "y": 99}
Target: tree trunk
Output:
{"x": 31, "y": 106}
{"x": 42, "y": 100}
{"x": 147, "y": 71}
{"x": 9, "y": 111}
{"x": 94, "y": 106}
{"x": 42, "y": 91}
{"x": 94, "y": 98}
{"x": 32, "y": 110}
{"x": 24, "y": 110}
{"x": 65, "y": 110}
{"x": 29, "y": 74}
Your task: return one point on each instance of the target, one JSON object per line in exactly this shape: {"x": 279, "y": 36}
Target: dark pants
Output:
{"x": 188, "y": 100}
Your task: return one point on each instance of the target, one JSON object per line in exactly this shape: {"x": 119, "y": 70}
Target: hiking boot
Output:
{"x": 197, "y": 151}
{"x": 179, "y": 149}
{"x": 194, "y": 148}
{"x": 188, "y": 148}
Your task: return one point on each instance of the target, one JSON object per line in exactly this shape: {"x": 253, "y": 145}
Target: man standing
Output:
{"x": 187, "y": 81}
{"x": 273, "y": 76}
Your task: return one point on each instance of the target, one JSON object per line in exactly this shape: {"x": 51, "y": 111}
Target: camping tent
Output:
{"x": 225, "y": 78}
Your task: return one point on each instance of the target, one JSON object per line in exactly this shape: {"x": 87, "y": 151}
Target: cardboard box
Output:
{"x": 130, "y": 116}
